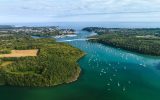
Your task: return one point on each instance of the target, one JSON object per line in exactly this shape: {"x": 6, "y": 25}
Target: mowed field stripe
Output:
{"x": 20, "y": 53}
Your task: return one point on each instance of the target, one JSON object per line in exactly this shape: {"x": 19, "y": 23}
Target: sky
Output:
{"x": 26, "y": 11}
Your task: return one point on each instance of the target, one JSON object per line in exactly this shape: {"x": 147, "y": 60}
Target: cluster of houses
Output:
{"x": 36, "y": 30}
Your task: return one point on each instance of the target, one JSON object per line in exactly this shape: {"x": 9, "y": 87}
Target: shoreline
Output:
{"x": 72, "y": 79}
{"x": 75, "y": 78}
{"x": 131, "y": 50}
{"x": 128, "y": 50}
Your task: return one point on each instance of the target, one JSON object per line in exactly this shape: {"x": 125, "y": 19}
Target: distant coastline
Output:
{"x": 81, "y": 25}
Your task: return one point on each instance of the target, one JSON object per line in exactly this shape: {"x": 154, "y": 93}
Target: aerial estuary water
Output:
{"x": 107, "y": 74}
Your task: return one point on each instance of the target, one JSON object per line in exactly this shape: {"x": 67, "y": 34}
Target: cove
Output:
{"x": 107, "y": 74}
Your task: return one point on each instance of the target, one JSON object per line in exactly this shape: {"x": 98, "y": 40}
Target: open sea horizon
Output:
{"x": 80, "y": 25}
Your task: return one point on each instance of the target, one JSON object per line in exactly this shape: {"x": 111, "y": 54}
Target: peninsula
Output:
{"x": 25, "y": 61}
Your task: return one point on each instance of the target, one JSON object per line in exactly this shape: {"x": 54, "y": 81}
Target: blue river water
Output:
{"x": 107, "y": 74}
{"x": 114, "y": 74}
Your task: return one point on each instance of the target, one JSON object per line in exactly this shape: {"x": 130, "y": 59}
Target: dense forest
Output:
{"x": 55, "y": 63}
{"x": 145, "y": 41}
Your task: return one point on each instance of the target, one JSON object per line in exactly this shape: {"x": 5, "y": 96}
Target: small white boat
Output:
{"x": 124, "y": 89}
{"x": 118, "y": 84}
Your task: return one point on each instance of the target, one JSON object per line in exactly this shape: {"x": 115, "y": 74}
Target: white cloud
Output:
{"x": 83, "y": 10}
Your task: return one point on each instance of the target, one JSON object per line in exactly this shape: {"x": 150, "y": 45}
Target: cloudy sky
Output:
{"x": 79, "y": 10}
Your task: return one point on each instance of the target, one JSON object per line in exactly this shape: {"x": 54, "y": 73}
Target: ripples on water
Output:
{"x": 115, "y": 69}
{"x": 107, "y": 74}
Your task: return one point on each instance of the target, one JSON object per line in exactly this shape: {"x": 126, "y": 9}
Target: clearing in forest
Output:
{"x": 21, "y": 53}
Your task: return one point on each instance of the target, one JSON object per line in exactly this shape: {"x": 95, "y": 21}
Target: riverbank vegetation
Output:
{"x": 55, "y": 63}
{"x": 145, "y": 41}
